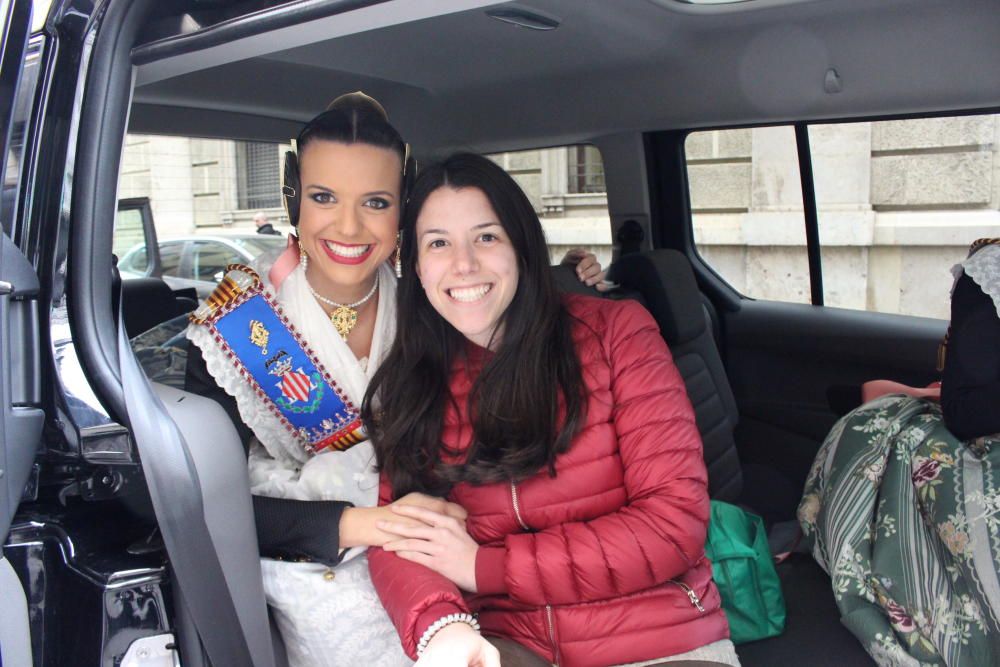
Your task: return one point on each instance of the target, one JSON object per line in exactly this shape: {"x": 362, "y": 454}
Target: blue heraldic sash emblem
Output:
{"x": 270, "y": 355}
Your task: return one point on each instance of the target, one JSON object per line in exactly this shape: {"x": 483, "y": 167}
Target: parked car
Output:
{"x": 124, "y": 505}
{"x": 198, "y": 261}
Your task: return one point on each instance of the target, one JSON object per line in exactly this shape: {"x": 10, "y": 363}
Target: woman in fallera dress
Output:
{"x": 289, "y": 350}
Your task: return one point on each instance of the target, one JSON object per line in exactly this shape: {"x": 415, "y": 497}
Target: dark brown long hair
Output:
{"x": 527, "y": 402}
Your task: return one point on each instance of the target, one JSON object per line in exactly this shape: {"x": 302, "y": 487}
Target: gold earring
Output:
{"x": 399, "y": 254}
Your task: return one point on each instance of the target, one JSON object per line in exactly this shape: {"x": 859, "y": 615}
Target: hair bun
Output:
{"x": 358, "y": 101}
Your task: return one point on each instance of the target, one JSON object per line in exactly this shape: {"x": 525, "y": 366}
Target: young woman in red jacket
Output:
{"x": 561, "y": 425}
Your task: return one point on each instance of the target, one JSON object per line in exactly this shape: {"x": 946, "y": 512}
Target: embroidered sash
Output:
{"x": 262, "y": 344}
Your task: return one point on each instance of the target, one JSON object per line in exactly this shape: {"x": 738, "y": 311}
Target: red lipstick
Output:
{"x": 341, "y": 259}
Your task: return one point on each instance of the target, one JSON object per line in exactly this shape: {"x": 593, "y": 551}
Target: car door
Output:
{"x": 795, "y": 362}
{"x": 189, "y": 454}
{"x": 135, "y": 242}
{"x": 174, "y": 268}
{"x": 22, "y": 418}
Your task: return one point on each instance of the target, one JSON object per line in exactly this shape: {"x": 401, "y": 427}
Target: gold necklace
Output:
{"x": 344, "y": 315}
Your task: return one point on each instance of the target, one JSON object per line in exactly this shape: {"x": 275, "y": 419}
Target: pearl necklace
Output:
{"x": 344, "y": 316}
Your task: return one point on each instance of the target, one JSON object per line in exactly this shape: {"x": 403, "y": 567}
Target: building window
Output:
{"x": 586, "y": 170}
{"x": 259, "y": 175}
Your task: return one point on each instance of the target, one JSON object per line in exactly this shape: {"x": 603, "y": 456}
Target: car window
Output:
{"x": 898, "y": 202}
{"x": 170, "y": 259}
{"x": 205, "y": 187}
{"x": 128, "y": 241}
{"x": 257, "y": 246}
{"x": 746, "y": 209}
{"x": 210, "y": 259}
{"x": 135, "y": 261}
{"x": 566, "y": 187}
{"x": 17, "y": 141}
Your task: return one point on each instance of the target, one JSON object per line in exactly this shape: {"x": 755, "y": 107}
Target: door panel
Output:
{"x": 19, "y": 370}
{"x": 790, "y": 364}
{"x": 22, "y": 420}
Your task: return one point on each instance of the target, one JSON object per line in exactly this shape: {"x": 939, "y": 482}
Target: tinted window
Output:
{"x": 17, "y": 141}
{"x": 258, "y": 246}
{"x": 135, "y": 261}
{"x": 128, "y": 240}
{"x": 211, "y": 259}
{"x": 170, "y": 259}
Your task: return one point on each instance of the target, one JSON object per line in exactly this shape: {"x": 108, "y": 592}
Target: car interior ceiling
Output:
{"x": 452, "y": 78}
{"x": 658, "y": 67}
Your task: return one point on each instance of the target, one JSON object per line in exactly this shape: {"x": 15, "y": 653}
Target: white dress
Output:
{"x": 324, "y": 621}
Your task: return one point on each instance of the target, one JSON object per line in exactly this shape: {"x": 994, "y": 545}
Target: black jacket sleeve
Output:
{"x": 299, "y": 529}
{"x": 289, "y": 529}
{"x": 970, "y": 386}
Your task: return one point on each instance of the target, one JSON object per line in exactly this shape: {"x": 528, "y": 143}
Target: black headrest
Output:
{"x": 147, "y": 302}
{"x": 567, "y": 281}
{"x": 665, "y": 279}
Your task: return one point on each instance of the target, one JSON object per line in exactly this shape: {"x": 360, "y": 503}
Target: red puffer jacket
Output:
{"x": 603, "y": 564}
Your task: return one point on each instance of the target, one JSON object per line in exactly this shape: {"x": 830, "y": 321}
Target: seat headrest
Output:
{"x": 147, "y": 302}
{"x": 568, "y": 282}
{"x": 665, "y": 279}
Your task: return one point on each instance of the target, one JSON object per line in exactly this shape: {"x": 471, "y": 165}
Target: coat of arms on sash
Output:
{"x": 270, "y": 355}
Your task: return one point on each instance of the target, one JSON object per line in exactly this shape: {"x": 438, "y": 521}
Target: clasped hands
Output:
{"x": 431, "y": 531}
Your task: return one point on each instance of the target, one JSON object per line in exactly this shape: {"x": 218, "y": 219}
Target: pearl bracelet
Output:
{"x": 429, "y": 633}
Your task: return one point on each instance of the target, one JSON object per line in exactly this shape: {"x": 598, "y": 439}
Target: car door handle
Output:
{"x": 6, "y": 288}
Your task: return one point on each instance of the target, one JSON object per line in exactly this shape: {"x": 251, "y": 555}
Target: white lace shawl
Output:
{"x": 984, "y": 269}
{"x": 278, "y": 465}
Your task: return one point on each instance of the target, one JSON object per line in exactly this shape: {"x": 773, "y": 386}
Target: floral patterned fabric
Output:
{"x": 905, "y": 519}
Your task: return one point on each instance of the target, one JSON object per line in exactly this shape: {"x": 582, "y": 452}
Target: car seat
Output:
{"x": 664, "y": 282}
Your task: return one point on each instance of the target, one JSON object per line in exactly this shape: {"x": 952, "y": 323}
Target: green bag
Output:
{"x": 744, "y": 573}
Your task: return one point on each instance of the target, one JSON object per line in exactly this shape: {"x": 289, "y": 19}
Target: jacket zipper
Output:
{"x": 552, "y": 633}
{"x": 517, "y": 506}
{"x": 548, "y": 607}
{"x": 692, "y": 596}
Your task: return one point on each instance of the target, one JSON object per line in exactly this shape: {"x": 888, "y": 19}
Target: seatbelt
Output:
{"x": 180, "y": 513}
